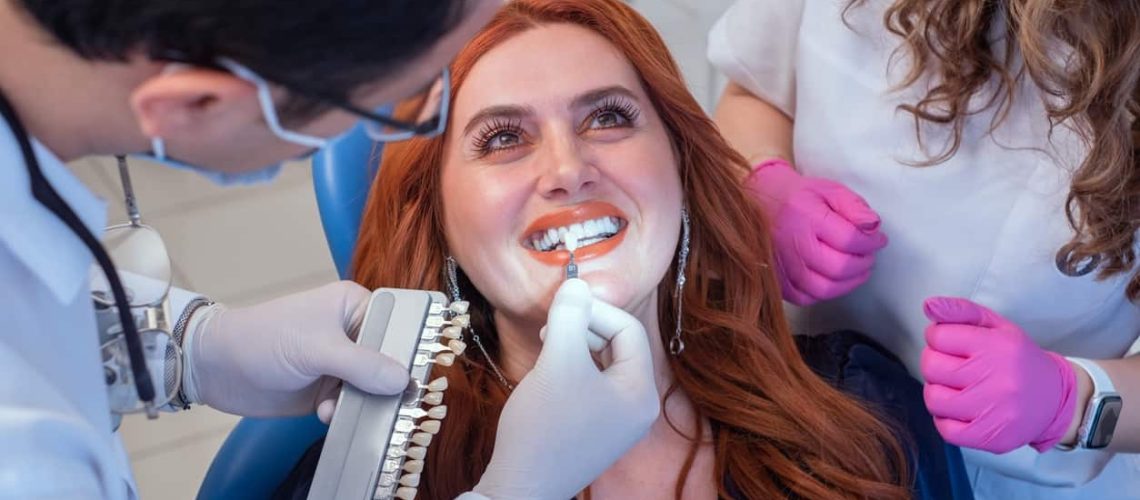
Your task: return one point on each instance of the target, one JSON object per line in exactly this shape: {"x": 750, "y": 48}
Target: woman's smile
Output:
{"x": 599, "y": 227}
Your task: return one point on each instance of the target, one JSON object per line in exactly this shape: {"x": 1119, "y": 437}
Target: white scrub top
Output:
{"x": 56, "y": 439}
{"x": 985, "y": 225}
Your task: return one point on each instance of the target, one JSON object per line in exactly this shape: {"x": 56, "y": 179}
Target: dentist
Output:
{"x": 229, "y": 89}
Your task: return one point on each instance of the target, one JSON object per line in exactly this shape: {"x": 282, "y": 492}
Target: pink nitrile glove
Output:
{"x": 988, "y": 385}
{"x": 825, "y": 235}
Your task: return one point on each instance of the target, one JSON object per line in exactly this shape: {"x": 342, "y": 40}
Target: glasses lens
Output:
{"x": 162, "y": 356}
{"x": 143, "y": 265}
{"x": 416, "y": 115}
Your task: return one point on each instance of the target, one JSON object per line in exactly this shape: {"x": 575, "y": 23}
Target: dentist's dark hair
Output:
{"x": 330, "y": 48}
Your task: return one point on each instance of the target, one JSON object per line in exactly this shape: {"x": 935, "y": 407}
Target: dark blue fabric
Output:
{"x": 865, "y": 370}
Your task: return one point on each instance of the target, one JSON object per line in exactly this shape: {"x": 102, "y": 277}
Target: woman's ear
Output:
{"x": 186, "y": 100}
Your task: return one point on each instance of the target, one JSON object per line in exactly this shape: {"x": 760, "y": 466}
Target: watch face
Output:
{"x": 1104, "y": 422}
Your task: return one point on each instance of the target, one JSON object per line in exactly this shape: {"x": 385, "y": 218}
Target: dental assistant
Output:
{"x": 957, "y": 179}
{"x": 230, "y": 90}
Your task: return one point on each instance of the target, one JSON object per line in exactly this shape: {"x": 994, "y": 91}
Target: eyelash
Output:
{"x": 498, "y": 126}
{"x": 493, "y": 129}
{"x": 621, "y": 107}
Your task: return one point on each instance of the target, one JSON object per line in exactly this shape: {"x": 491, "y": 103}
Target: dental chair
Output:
{"x": 260, "y": 452}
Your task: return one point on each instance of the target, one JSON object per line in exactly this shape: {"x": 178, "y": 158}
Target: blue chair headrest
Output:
{"x": 342, "y": 177}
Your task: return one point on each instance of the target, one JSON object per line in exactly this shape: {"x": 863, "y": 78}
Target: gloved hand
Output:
{"x": 988, "y": 385}
{"x": 825, "y": 236}
{"x": 568, "y": 421}
{"x": 285, "y": 356}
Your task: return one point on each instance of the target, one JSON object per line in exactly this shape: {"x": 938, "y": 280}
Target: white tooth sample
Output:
{"x": 571, "y": 242}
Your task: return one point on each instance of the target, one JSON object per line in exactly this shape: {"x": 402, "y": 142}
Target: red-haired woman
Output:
{"x": 570, "y": 118}
{"x": 992, "y": 141}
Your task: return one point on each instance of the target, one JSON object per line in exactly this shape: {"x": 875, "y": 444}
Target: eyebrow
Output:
{"x": 517, "y": 111}
{"x": 594, "y": 96}
{"x": 503, "y": 111}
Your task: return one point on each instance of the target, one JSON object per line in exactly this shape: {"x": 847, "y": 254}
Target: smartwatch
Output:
{"x": 1102, "y": 412}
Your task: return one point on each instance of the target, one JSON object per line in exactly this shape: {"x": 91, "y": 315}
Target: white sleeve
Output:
{"x": 1053, "y": 468}
{"x": 754, "y": 44}
{"x": 49, "y": 450}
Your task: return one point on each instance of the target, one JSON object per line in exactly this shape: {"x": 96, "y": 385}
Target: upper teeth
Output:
{"x": 588, "y": 232}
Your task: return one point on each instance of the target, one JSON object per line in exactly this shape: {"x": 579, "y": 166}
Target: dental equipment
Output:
{"x": 376, "y": 445}
{"x": 571, "y": 246}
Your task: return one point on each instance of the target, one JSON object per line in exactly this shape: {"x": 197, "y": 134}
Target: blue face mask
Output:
{"x": 253, "y": 177}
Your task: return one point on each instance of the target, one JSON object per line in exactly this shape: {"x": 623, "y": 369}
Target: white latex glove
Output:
{"x": 285, "y": 356}
{"x": 568, "y": 421}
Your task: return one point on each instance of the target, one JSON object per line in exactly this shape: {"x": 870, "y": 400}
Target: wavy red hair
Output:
{"x": 778, "y": 429}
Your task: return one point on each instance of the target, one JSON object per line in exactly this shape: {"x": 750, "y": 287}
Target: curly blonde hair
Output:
{"x": 1095, "y": 90}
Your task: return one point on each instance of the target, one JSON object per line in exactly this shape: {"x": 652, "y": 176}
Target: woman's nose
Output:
{"x": 567, "y": 171}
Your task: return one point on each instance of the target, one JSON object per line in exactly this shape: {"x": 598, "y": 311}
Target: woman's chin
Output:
{"x": 610, "y": 289}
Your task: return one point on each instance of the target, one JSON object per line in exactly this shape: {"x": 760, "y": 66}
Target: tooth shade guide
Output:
{"x": 571, "y": 242}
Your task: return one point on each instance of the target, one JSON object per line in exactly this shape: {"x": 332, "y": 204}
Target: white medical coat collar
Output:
{"x": 38, "y": 238}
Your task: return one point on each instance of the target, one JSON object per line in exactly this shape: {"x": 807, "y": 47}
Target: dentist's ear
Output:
{"x": 190, "y": 100}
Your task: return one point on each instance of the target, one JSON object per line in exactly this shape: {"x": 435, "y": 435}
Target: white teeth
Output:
{"x": 588, "y": 233}
{"x": 610, "y": 224}
{"x": 591, "y": 227}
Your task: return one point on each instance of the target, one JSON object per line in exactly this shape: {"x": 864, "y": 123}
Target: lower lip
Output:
{"x": 562, "y": 257}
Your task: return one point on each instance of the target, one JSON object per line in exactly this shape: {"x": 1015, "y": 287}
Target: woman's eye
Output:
{"x": 608, "y": 119}
{"x": 498, "y": 136}
{"x": 503, "y": 140}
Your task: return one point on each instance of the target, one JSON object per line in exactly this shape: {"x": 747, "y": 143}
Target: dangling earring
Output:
{"x": 451, "y": 272}
{"x": 452, "y": 278}
{"x": 676, "y": 344}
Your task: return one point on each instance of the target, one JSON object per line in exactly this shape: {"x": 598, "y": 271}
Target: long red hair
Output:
{"x": 778, "y": 429}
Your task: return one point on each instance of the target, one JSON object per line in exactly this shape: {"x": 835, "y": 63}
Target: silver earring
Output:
{"x": 676, "y": 344}
{"x": 452, "y": 278}
{"x": 452, "y": 273}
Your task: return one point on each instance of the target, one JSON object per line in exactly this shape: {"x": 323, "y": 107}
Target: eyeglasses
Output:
{"x": 422, "y": 115}
{"x": 143, "y": 266}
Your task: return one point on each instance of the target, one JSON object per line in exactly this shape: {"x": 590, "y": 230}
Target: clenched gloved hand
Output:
{"x": 824, "y": 234}
{"x": 286, "y": 356}
{"x": 988, "y": 385}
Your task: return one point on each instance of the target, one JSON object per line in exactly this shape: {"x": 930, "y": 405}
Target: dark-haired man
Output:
{"x": 229, "y": 88}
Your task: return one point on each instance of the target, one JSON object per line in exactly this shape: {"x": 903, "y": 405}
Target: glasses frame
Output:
{"x": 427, "y": 129}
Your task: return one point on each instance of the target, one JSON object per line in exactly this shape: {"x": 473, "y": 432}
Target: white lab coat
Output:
{"x": 56, "y": 439}
{"x": 985, "y": 225}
